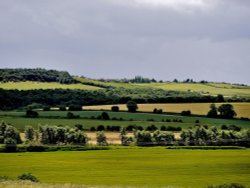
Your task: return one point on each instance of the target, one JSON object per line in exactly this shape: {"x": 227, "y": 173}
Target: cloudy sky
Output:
{"x": 163, "y": 39}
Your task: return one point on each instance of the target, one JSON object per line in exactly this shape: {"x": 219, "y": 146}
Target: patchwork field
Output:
{"x": 150, "y": 167}
{"x": 140, "y": 119}
{"x": 242, "y": 109}
{"x": 44, "y": 85}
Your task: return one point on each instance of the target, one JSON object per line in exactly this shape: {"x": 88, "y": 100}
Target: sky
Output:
{"x": 161, "y": 39}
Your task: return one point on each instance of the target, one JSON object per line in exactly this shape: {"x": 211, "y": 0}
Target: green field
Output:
{"x": 140, "y": 119}
{"x": 150, "y": 167}
{"x": 227, "y": 90}
{"x": 44, "y": 85}
{"x": 242, "y": 109}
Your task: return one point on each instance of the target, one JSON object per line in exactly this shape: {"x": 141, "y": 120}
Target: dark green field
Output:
{"x": 141, "y": 119}
{"x": 152, "y": 167}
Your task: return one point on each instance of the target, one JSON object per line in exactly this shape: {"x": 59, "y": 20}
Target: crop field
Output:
{"x": 140, "y": 119}
{"x": 242, "y": 109}
{"x": 210, "y": 88}
{"x": 133, "y": 166}
{"x": 44, "y": 85}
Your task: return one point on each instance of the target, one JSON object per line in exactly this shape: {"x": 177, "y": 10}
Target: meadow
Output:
{"x": 133, "y": 166}
{"x": 242, "y": 109}
{"x": 28, "y": 85}
{"x": 18, "y": 120}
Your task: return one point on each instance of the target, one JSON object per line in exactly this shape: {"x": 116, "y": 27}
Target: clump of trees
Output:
{"x": 40, "y": 75}
{"x": 101, "y": 139}
{"x": 62, "y": 135}
{"x": 147, "y": 138}
{"x": 31, "y": 114}
{"x": 186, "y": 113}
{"x": 157, "y": 111}
{"x": 132, "y": 106}
{"x": 9, "y": 134}
{"x": 225, "y": 111}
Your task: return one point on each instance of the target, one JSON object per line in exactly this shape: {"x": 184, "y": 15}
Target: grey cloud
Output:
{"x": 102, "y": 38}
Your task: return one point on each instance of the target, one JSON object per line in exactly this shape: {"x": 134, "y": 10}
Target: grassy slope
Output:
{"x": 44, "y": 85}
{"x": 139, "y": 119}
{"x": 151, "y": 167}
{"x": 242, "y": 109}
{"x": 209, "y": 88}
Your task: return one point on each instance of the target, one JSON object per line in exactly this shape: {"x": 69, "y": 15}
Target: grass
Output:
{"x": 44, "y": 85}
{"x": 242, "y": 109}
{"x": 140, "y": 119}
{"x": 210, "y": 88}
{"x": 150, "y": 167}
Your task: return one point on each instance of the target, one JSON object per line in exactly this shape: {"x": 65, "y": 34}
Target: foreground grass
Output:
{"x": 133, "y": 166}
{"x": 242, "y": 109}
{"x": 44, "y": 85}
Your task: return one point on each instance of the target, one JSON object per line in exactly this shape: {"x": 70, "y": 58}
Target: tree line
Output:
{"x": 14, "y": 99}
{"x": 39, "y": 75}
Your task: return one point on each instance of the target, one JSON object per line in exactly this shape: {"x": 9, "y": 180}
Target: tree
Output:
{"x": 186, "y": 113}
{"x": 101, "y": 139}
{"x": 105, "y": 116}
{"x": 220, "y": 98}
{"x": 125, "y": 140}
{"x": 132, "y": 106}
{"x": 31, "y": 114}
{"x": 29, "y": 133}
{"x": 213, "y": 111}
{"x": 227, "y": 111}
{"x": 115, "y": 108}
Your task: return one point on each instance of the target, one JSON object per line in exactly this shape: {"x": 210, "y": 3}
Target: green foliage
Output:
{"x": 31, "y": 114}
{"x": 163, "y": 138}
{"x": 213, "y": 113}
{"x": 125, "y": 140}
{"x": 29, "y": 133}
{"x": 101, "y": 139}
{"x": 132, "y": 106}
{"x": 143, "y": 138}
{"x": 115, "y": 108}
{"x": 41, "y": 75}
{"x": 227, "y": 111}
{"x": 28, "y": 176}
{"x": 9, "y": 134}
{"x": 186, "y": 113}
{"x": 232, "y": 185}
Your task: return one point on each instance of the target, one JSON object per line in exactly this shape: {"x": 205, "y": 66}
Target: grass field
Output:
{"x": 210, "y": 88}
{"x": 140, "y": 119}
{"x": 242, "y": 109}
{"x": 150, "y": 167}
{"x": 44, "y": 85}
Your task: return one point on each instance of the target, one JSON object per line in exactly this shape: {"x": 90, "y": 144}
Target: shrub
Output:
{"x": 115, "y": 108}
{"x": 186, "y": 113}
{"x": 105, "y": 116}
{"x": 31, "y": 114}
{"x": 75, "y": 107}
{"x": 101, "y": 139}
{"x": 28, "y": 176}
{"x": 70, "y": 115}
{"x": 29, "y": 133}
{"x": 232, "y": 185}
{"x": 132, "y": 106}
{"x": 143, "y": 138}
{"x": 100, "y": 128}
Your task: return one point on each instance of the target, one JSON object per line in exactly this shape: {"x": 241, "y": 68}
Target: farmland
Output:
{"x": 242, "y": 109}
{"x": 18, "y": 120}
{"x": 28, "y": 85}
{"x": 153, "y": 167}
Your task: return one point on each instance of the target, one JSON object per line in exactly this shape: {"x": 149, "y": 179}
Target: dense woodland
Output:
{"x": 40, "y": 75}
{"x": 14, "y": 99}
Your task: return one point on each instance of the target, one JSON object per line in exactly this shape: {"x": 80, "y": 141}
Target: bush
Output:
{"x": 29, "y": 133}
{"x": 101, "y": 139}
{"x": 31, "y": 114}
{"x": 115, "y": 108}
{"x": 232, "y": 185}
{"x": 28, "y": 176}
{"x": 186, "y": 113}
{"x": 100, "y": 128}
{"x": 105, "y": 116}
{"x": 75, "y": 108}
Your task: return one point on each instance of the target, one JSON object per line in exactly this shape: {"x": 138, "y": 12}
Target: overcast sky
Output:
{"x": 162, "y": 39}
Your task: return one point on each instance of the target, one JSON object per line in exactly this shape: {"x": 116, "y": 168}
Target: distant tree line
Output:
{"x": 39, "y": 75}
{"x": 14, "y": 99}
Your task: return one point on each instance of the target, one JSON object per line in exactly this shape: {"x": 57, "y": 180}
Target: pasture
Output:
{"x": 133, "y": 166}
{"x": 207, "y": 89}
{"x": 18, "y": 120}
{"x": 44, "y": 85}
{"x": 242, "y": 109}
